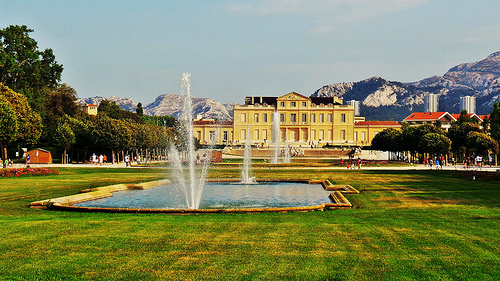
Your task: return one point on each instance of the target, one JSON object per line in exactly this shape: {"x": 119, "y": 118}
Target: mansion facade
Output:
{"x": 303, "y": 121}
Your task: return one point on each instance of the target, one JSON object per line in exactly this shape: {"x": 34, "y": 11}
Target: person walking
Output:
{"x": 127, "y": 161}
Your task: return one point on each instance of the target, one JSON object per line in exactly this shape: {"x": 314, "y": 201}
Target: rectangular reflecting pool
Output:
{"x": 219, "y": 196}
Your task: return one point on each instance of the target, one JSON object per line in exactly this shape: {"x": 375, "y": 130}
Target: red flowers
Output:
{"x": 7, "y": 173}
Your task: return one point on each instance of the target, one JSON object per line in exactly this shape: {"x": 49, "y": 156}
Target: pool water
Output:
{"x": 219, "y": 196}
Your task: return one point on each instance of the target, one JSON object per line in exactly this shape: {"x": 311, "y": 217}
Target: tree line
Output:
{"x": 465, "y": 137}
{"x": 37, "y": 110}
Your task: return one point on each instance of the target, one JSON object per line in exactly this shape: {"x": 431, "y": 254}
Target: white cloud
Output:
{"x": 325, "y": 12}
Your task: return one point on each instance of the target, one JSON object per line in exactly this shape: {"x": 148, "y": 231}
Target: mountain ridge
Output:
{"x": 380, "y": 99}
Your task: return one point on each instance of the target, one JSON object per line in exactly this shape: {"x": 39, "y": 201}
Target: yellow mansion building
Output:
{"x": 303, "y": 121}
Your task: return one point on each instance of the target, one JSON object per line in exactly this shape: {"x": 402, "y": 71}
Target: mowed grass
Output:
{"x": 406, "y": 225}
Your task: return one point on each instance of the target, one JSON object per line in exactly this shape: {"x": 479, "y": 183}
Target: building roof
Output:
{"x": 212, "y": 122}
{"x": 377, "y": 123}
{"x": 472, "y": 115}
{"x": 429, "y": 116}
{"x": 260, "y": 100}
{"x": 89, "y": 104}
{"x": 323, "y": 100}
{"x": 483, "y": 116}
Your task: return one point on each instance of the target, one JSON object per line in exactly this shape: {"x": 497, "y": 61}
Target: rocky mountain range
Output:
{"x": 380, "y": 99}
{"x": 170, "y": 104}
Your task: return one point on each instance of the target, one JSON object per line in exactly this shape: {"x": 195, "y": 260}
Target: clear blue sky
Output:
{"x": 233, "y": 49}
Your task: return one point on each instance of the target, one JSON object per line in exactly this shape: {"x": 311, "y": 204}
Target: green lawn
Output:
{"x": 406, "y": 225}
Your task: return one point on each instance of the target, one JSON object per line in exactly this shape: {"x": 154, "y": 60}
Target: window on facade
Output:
{"x": 256, "y": 134}
{"x": 322, "y": 118}
{"x": 329, "y": 118}
{"x": 304, "y": 104}
{"x": 355, "y": 136}
{"x": 304, "y": 117}
{"x": 321, "y": 135}
{"x": 282, "y": 103}
{"x": 212, "y": 136}
{"x": 225, "y": 136}
{"x": 256, "y": 118}
{"x": 293, "y": 104}
{"x": 243, "y": 134}
{"x": 198, "y": 134}
{"x": 329, "y": 136}
{"x": 282, "y": 117}
{"x": 243, "y": 118}
{"x": 264, "y": 134}
{"x": 313, "y": 134}
{"x": 293, "y": 118}
{"x": 342, "y": 118}
{"x": 342, "y": 134}
{"x": 363, "y": 136}
{"x": 264, "y": 117}
{"x": 313, "y": 118}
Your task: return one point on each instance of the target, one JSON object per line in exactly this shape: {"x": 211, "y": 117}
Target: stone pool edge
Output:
{"x": 66, "y": 203}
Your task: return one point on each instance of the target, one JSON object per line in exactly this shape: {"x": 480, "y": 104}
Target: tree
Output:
{"x": 495, "y": 122}
{"x": 65, "y": 138}
{"x": 387, "y": 140}
{"x": 458, "y": 132}
{"x": 24, "y": 68}
{"x": 8, "y": 125}
{"x": 113, "y": 110}
{"x": 481, "y": 143}
{"x": 29, "y": 122}
{"x": 435, "y": 144}
{"x": 139, "y": 110}
{"x": 62, "y": 101}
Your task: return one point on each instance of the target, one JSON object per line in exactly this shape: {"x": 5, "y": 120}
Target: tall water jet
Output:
{"x": 286, "y": 152}
{"x": 193, "y": 186}
{"x": 247, "y": 160}
{"x": 276, "y": 137}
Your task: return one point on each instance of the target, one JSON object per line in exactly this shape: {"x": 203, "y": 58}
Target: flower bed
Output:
{"x": 7, "y": 173}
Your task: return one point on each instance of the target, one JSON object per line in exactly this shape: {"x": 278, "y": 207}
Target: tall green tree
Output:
{"x": 64, "y": 137}
{"x": 8, "y": 125}
{"x": 139, "y": 109}
{"x": 458, "y": 132}
{"x": 495, "y": 122}
{"x": 24, "y": 68}
{"x": 481, "y": 143}
{"x": 29, "y": 122}
{"x": 387, "y": 140}
{"x": 435, "y": 144}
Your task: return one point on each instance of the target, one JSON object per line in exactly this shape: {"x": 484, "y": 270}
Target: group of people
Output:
{"x": 468, "y": 163}
{"x": 6, "y": 163}
{"x": 437, "y": 162}
{"x": 476, "y": 162}
{"x": 98, "y": 160}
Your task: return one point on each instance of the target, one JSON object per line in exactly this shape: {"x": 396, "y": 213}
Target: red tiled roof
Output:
{"x": 417, "y": 116}
{"x": 377, "y": 123}
{"x": 483, "y": 116}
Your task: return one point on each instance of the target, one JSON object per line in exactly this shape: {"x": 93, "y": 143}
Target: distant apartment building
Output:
{"x": 431, "y": 103}
{"x": 354, "y": 103}
{"x": 468, "y": 103}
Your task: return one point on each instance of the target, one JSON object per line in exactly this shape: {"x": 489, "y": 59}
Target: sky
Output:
{"x": 234, "y": 49}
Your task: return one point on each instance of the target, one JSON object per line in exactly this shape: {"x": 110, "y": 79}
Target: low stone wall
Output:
{"x": 66, "y": 203}
{"x": 264, "y": 152}
{"x": 94, "y": 193}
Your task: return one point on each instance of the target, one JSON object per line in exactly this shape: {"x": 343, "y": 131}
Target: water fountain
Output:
{"x": 286, "y": 153}
{"x": 247, "y": 161}
{"x": 195, "y": 182}
{"x": 276, "y": 137}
